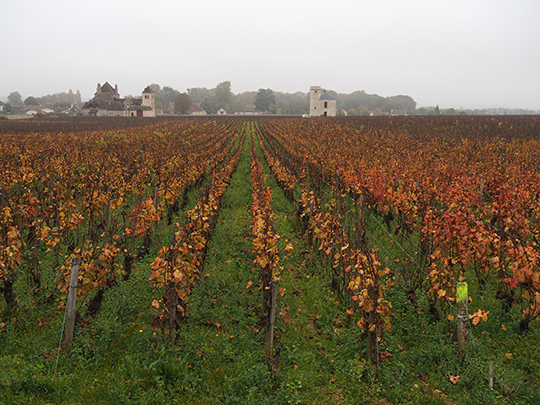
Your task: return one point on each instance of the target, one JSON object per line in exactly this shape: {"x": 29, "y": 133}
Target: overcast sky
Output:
{"x": 460, "y": 53}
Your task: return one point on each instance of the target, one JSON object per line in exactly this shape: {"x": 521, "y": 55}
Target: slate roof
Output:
{"x": 326, "y": 96}
{"x": 115, "y": 106}
{"x": 139, "y": 108}
{"x": 148, "y": 90}
{"x": 107, "y": 88}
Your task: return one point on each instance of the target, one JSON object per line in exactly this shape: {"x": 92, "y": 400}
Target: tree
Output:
{"x": 156, "y": 88}
{"x": 210, "y": 105}
{"x": 15, "y": 98}
{"x": 437, "y": 110}
{"x": 182, "y": 104}
{"x": 264, "y": 98}
{"x": 450, "y": 111}
{"x": 245, "y": 101}
{"x": 224, "y": 95}
{"x": 402, "y": 103}
{"x": 31, "y": 101}
{"x": 364, "y": 112}
{"x": 351, "y": 112}
{"x": 169, "y": 94}
{"x": 377, "y": 112}
{"x": 200, "y": 95}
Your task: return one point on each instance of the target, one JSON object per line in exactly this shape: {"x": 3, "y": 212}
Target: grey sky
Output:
{"x": 470, "y": 53}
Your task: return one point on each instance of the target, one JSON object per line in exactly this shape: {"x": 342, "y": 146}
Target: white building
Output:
{"x": 321, "y": 104}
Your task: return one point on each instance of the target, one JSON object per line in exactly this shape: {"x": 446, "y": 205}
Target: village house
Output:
{"x": 249, "y": 112}
{"x": 107, "y": 103}
{"x": 321, "y": 104}
{"x": 398, "y": 113}
{"x": 196, "y": 109}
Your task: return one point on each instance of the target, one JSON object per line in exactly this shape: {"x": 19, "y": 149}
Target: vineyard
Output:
{"x": 373, "y": 260}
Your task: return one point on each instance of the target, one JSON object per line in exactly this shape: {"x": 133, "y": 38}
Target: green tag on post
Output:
{"x": 462, "y": 292}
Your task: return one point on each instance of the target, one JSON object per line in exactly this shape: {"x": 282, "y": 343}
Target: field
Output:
{"x": 378, "y": 238}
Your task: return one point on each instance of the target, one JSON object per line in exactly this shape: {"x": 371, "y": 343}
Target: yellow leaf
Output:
{"x": 503, "y": 327}
{"x": 508, "y": 355}
{"x": 249, "y": 284}
{"x": 155, "y": 304}
{"x": 454, "y": 379}
{"x": 451, "y": 317}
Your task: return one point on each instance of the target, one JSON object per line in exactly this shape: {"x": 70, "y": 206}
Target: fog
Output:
{"x": 454, "y": 54}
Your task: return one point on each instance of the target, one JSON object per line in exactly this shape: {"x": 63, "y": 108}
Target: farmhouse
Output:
{"x": 196, "y": 109}
{"x": 107, "y": 102}
{"x": 398, "y": 113}
{"x": 321, "y": 104}
{"x": 249, "y": 112}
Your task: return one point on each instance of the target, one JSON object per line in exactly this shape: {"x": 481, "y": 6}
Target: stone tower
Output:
{"x": 321, "y": 104}
{"x": 314, "y": 97}
{"x": 149, "y": 100}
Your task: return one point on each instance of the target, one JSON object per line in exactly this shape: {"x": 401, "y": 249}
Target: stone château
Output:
{"x": 107, "y": 103}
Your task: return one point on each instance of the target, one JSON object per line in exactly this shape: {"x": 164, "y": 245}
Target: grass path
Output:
{"x": 221, "y": 340}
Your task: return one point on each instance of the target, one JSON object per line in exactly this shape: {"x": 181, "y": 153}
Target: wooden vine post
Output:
{"x": 271, "y": 320}
{"x": 72, "y": 302}
{"x": 462, "y": 327}
{"x": 108, "y": 212}
{"x": 362, "y": 242}
{"x": 372, "y": 333}
{"x": 491, "y": 375}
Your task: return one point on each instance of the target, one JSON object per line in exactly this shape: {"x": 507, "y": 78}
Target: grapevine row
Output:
{"x": 175, "y": 270}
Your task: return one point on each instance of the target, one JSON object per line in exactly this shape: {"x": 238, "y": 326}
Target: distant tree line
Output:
{"x": 489, "y": 111}
{"x": 362, "y": 103}
{"x": 267, "y": 100}
{"x": 15, "y": 98}
{"x": 480, "y": 111}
